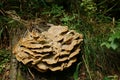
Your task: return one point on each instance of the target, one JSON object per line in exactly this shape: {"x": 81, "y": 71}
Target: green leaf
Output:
{"x": 11, "y": 21}
{"x": 106, "y": 78}
{"x": 106, "y": 44}
{"x": 114, "y": 36}
{"x": 1, "y": 32}
{"x": 75, "y": 75}
{"x": 113, "y": 45}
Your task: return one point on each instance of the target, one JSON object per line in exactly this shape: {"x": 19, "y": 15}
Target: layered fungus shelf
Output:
{"x": 54, "y": 49}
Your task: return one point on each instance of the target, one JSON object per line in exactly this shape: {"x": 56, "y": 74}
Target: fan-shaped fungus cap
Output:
{"x": 54, "y": 50}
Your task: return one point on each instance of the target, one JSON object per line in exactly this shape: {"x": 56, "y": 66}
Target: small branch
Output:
{"x": 110, "y": 8}
{"x": 87, "y": 68}
{"x": 33, "y": 77}
{"x": 2, "y": 12}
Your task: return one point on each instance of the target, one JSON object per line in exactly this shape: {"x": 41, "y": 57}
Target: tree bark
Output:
{"x": 13, "y": 68}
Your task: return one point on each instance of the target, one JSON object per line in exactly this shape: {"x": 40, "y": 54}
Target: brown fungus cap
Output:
{"x": 54, "y": 49}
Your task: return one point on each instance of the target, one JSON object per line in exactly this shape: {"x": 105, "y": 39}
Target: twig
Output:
{"x": 20, "y": 5}
{"x": 87, "y": 68}
{"x": 110, "y": 8}
{"x": 2, "y": 12}
{"x": 33, "y": 77}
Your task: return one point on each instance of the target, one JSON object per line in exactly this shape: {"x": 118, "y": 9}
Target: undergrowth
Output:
{"x": 4, "y": 59}
{"x": 100, "y": 53}
{"x": 96, "y": 31}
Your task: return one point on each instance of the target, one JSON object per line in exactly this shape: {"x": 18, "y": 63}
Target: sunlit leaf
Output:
{"x": 114, "y": 36}
{"x": 113, "y": 45}
{"x": 106, "y": 44}
{"x": 11, "y": 21}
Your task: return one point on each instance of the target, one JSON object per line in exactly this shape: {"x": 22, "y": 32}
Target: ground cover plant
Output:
{"x": 98, "y": 21}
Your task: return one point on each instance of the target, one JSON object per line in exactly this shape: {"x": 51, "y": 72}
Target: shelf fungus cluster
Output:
{"x": 54, "y": 49}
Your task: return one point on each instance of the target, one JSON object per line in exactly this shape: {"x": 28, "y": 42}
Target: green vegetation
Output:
{"x": 4, "y": 59}
{"x": 98, "y": 21}
{"x": 114, "y": 37}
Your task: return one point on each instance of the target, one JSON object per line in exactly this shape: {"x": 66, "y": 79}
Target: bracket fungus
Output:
{"x": 54, "y": 49}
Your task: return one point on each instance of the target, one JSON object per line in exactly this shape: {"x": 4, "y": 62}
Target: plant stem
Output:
{"x": 87, "y": 68}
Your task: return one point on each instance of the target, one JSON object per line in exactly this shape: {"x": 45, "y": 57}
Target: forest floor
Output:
{"x": 97, "y": 62}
